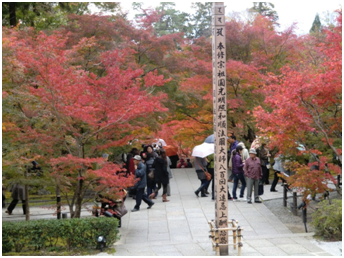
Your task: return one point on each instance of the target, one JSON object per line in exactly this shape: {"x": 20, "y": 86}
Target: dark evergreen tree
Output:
{"x": 265, "y": 9}
{"x": 316, "y": 26}
{"x": 202, "y": 19}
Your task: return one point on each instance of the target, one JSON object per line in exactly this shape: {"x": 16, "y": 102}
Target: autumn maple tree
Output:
{"x": 72, "y": 115}
{"x": 305, "y": 108}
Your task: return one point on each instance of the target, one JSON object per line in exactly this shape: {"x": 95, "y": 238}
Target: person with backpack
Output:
{"x": 151, "y": 185}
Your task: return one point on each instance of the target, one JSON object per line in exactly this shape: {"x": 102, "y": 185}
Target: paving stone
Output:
{"x": 191, "y": 250}
{"x": 281, "y": 241}
{"x": 259, "y": 243}
{"x": 293, "y": 249}
{"x": 323, "y": 254}
{"x": 183, "y": 238}
{"x": 158, "y": 236}
{"x": 271, "y": 251}
{"x": 251, "y": 254}
{"x": 164, "y": 249}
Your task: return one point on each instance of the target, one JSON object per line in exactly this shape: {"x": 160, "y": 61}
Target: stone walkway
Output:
{"x": 180, "y": 227}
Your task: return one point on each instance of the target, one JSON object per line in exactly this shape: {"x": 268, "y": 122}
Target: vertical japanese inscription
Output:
{"x": 220, "y": 121}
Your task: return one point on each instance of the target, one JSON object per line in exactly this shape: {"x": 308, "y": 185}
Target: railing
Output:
{"x": 214, "y": 235}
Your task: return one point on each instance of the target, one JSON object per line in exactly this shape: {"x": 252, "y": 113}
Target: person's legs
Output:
{"x": 249, "y": 189}
{"x": 212, "y": 188}
{"x": 204, "y": 183}
{"x": 274, "y": 183}
{"x": 265, "y": 174}
{"x": 243, "y": 184}
{"x": 211, "y": 172}
{"x": 168, "y": 190}
{"x": 3, "y": 200}
{"x": 149, "y": 190}
{"x": 256, "y": 185}
{"x": 199, "y": 189}
{"x": 147, "y": 200}
{"x": 164, "y": 191}
{"x": 24, "y": 206}
{"x": 139, "y": 195}
{"x": 150, "y": 186}
{"x": 235, "y": 185}
{"x": 12, "y": 206}
{"x": 155, "y": 191}
{"x": 206, "y": 187}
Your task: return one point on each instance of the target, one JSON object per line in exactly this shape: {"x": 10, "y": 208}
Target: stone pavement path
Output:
{"x": 180, "y": 227}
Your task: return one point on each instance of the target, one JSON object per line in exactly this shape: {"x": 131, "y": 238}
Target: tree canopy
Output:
{"x": 77, "y": 85}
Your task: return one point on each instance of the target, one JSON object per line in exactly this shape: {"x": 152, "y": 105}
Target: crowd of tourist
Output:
{"x": 247, "y": 168}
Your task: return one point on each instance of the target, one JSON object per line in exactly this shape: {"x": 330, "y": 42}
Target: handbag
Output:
{"x": 151, "y": 174}
{"x": 260, "y": 187}
{"x": 268, "y": 165}
{"x": 207, "y": 174}
{"x": 120, "y": 210}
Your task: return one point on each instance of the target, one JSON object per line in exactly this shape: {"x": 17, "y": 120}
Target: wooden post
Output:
{"x": 212, "y": 234}
{"x": 239, "y": 241}
{"x": 217, "y": 247}
{"x": 220, "y": 123}
{"x": 294, "y": 203}
{"x": 285, "y": 195}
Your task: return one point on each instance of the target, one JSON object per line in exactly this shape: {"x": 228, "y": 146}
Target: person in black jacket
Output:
{"x": 161, "y": 175}
{"x": 151, "y": 185}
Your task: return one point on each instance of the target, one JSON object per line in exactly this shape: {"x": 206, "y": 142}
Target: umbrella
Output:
{"x": 301, "y": 147}
{"x": 162, "y": 142}
{"x": 171, "y": 150}
{"x": 211, "y": 139}
{"x": 255, "y": 144}
{"x": 203, "y": 150}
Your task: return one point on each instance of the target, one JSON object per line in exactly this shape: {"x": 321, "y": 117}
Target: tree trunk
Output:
{"x": 12, "y": 11}
{"x": 27, "y": 209}
{"x": 58, "y": 203}
{"x": 79, "y": 194}
{"x": 78, "y": 205}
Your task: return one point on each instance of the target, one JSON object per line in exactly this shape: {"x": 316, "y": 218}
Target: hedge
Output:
{"x": 327, "y": 220}
{"x": 55, "y": 234}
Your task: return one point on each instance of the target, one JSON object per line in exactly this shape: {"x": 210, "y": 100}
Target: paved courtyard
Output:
{"x": 180, "y": 227}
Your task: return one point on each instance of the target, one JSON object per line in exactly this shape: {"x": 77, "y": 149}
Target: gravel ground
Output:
{"x": 296, "y": 225}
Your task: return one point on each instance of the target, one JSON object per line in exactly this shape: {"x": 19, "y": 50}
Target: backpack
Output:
{"x": 124, "y": 157}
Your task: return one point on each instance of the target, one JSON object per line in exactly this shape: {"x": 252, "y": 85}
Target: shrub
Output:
{"x": 327, "y": 220}
{"x": 53, "y": 234}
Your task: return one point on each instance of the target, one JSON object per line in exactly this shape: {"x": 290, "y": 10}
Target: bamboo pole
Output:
{"x": 239, "y": 239}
